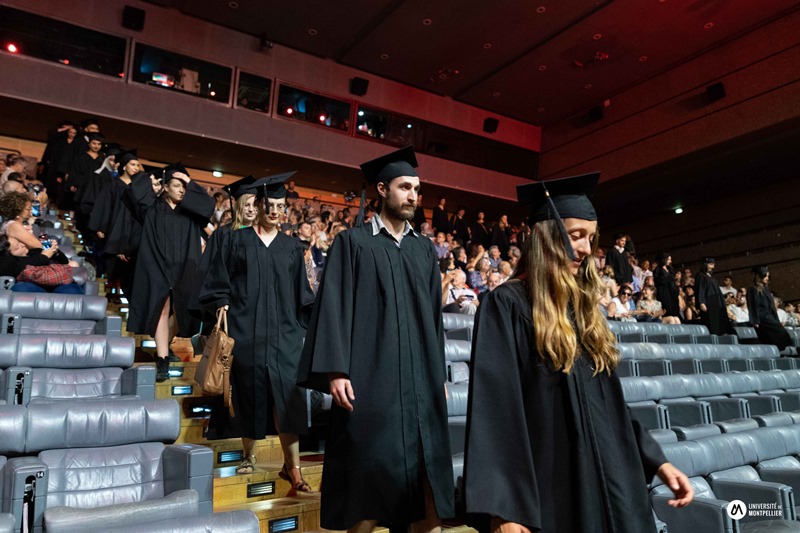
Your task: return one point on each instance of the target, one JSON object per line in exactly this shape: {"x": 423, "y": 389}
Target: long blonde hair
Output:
{"x": 238, "y": 213}
{"x": 551, "y": 288}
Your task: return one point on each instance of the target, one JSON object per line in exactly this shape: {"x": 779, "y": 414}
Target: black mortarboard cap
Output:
{"x": 401, "y": 162}
{"x": 112, "y": 149}
{"x": 709, "y": 260}
{"x": 85, "y": 123}
{"x": 169, "y": 170}
{"x": 760, "y": 270}
{"x": 127, "y": 156}
{"x": 95, "y": 136}
{"x": 272, "y": 186}
{"x": 559, "y": 199}
{"x": 240, "y": 187}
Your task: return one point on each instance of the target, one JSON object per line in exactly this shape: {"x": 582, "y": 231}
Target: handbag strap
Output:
{"x": 222, "y": 319}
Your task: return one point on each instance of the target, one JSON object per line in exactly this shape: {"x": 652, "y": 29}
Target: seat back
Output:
{"x": 66, "y": 351}
{"x": 60, "y": 384}
{"x": 96, "y": 477}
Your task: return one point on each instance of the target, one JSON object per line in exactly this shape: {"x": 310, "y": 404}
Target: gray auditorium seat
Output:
{"x": 7, "y": 523}
{"x": 746, "y": 334}
{"x": 47, "y": 313}
{"x": 457, "y": 358}
{"x": 71, "y": 366}
{"x": 128, "y": 485}
{"x": 457, "y": 401}
{"x": 457, "y": 326}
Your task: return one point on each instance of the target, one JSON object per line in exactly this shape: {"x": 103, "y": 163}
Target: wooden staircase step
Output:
{"x": 264, "y": 483}
{"x": 294, "y": 513}
{"x": 266, "y": 451}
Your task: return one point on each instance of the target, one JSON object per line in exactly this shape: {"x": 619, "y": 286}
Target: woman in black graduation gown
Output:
{"x": 173, "y": 221}
{"x": 550, "y": 443}
{"x": 118, "y": 231}
{"x": 261, "y": 279}
{"x": 666, "y": 288}
{"x": 763, "y": 314}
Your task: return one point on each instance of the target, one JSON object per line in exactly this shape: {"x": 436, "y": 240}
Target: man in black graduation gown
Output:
{"x": 459, "y": 227}
{"x": 440, "y": 220}
{"x": 617, "y": 258}
{"x": 710, "y": 301}
{"x": 555, "y": 449}
{"x": 376, "y": 342}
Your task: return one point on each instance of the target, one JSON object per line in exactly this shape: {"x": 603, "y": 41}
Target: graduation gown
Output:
{"x": 81, "y": 171}
{"x": 554, "y": 452}
{"x": 270, "y": 301}
{"x": 87, "y": 195}
{"x": 113, "y": 215}
{"x": 764, "y": 317}
{"x": 481, "y": 235}
{"x": 716, "y": 317}
{"x": 439, "y": 220}
{"x": 666, "y": 291}
{"x": 623, "y": 272}
{"x": 169, "y": 255}
{"x": 378, "y": 320}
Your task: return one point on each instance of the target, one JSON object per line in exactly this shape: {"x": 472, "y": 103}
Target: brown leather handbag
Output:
{"x": 213, "y": 372}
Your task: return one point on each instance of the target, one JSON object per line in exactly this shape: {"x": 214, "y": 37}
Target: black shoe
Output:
{"x": 162, "y": 369}
{"x": 172, "y": 358}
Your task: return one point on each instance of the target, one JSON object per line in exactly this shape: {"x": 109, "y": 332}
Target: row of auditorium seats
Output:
{"x": 84, "y": 444}
{"x": 667, "y": 333}
{"x": 663, "y": 402}
{"x": 758, "y": 467}
{"x": 651, "y": 359}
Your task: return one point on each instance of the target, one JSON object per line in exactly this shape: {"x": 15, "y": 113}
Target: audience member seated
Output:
{"x": 494, "y": 257}
{"x": 621, "y": 306}
{"x": 690, "y": 312}
{"x": 739, "y": 310}
{"x": 456, "y": 296}
{"x": 35, "y": 270}
{"x": 792, "y": 318}
{"x": 479, "y": 277}
{"x": 648, "y": 309}
{"x": 727, "y": 286}
{"x": 442, "y": 248}
{"x": 514, "y": 255}
{"x": 15, "y": 208}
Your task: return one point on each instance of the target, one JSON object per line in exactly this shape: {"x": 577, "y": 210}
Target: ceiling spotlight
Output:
{"x": 542, "y": 68}
{"x": 487, "y": 46}
{"x": 495, "y": 94}
{"x": 427, "y": 22}
{"x": 541, "y": 9}
{"x": 384, "y": 56}
{"x": 708, "y": 25}
{"x": 597, "y": 36}
{"x": 587, "y": 86}
{"x": 233, "y": 5}
{"x": 678, "y": 210}
{"x": 312, "y": 31}
{"x": 216, "y": 174}
{"x": 642, "y": 59}
{"x": 540, "y": 110}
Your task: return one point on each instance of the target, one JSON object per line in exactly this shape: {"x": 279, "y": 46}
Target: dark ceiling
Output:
{"x": 536, "y": 61}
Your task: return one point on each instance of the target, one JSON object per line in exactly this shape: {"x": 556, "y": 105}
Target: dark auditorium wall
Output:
{"x": 739, "y": 230}
{"x": 670, "y": 116}
{"x": 84, "y": 92}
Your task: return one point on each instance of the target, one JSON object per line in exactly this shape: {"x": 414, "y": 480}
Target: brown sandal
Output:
{"x": 300, "y": 486}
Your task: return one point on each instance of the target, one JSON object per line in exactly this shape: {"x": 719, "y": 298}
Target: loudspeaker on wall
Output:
{"x": 359, "y": 86}
{"x": 133, "y": 18}
{"x": 490, "y": 125}
{"x": 716, "y": 92}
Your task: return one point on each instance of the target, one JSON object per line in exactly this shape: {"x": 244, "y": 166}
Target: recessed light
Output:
{"x": 312, "y": 31}
{"x": 587, "y": 86}
{"x": 541, "y": 9}
{"x": 442, "y": 76}
{"x": 542, "y": 68}
{"x": 496, "y": 94}
{"x": 678, "y": 210}
{"x": 597, "y": 36}
{"x": 487, "y": 46}
{"x": 384, "y": 56}
{"x": 540, "y": 110}
{"x": 708, "y": 25}
{"x": 216, "y": 174}
{"x": 427, "y": 22}
{"x": 642, "y": 59}
{"x": 233, "y": 5}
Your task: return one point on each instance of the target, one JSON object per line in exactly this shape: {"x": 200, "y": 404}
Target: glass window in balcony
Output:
{"x": 313, "y": 108}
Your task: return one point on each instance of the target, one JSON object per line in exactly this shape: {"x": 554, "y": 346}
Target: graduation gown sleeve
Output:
{"x": 332, "y": 352}
{"x": 141, "y": 195}
{"x": 498, "y": 447}
{"x": 197, "y": 204}
{"x": 100, "y": 219}
{"x": 216, "y": 289}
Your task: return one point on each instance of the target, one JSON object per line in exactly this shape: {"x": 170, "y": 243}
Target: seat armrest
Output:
{"x": 459, "y": 334}
{"x": 783, "y": 476}
{"x": 190, "y": 466}
{"x": 704, "y": 514}
{"x": 139, "y": 381}
{"x": 651, "y": 416}
{"x": 92, "y": 288}
{"x": 728, "y": 408}
{"x": 6, "y": 282}
{"x": 760, "y": 404}
{"x": 757, "y": 492}
{"x": 110, "y": 326}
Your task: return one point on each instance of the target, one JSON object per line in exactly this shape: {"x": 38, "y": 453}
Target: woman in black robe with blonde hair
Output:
{"x": 550, "y": 443}
{"x": 260, "y": 277}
